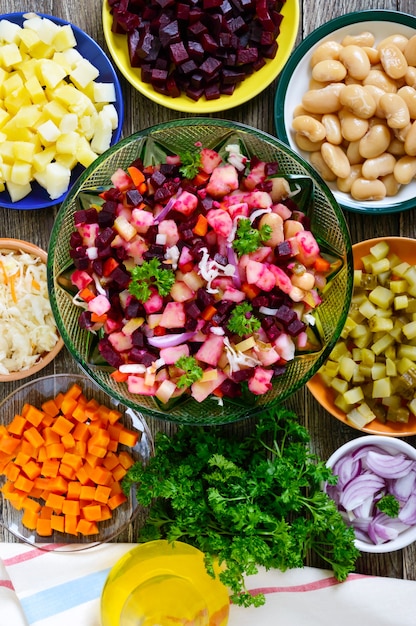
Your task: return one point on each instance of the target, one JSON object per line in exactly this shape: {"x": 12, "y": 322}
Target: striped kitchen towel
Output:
{"x": 50, "y": 587}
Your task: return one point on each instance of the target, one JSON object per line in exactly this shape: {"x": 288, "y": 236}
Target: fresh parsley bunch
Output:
{"x": 248, "y": 503}
{"x": 249, "y": 239}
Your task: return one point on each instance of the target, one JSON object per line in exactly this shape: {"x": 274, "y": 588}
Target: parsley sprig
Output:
{"x": 247, "y": 501}
{"x": 148, "y": 275}
{"x": 192, "y": 371}
{"x": 242, "y": 321}
{"x": 389, "y": 505}
{"x": 190, "y": 163}
{"x": 249, "y": 239}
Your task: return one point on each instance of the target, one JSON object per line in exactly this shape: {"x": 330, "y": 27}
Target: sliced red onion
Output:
{"x": 170, "y": 341}
{"x": 404, "y": 486}
{"x": 359, "y": 489}
{"x": 379, "y": 533}
{"x": 168, "y": 206}
{"x": 389, "y": 465}
{"x": 232, "y": 260}
{"x": 366, "y": 508}
{"x": 346, "y": 469}
{"x": 362, "y": 451}
{"x": 407, "y": 514}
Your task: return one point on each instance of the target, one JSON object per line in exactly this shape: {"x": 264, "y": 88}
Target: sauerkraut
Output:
{"x": 27, "y": 326}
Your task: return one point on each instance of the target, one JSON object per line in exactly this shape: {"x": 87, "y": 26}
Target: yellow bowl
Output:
{"x": 15, "y": 246}
{"x": 249, "y": 88}
{"x": 405, "y": 248}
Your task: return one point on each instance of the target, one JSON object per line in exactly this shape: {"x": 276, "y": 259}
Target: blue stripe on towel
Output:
{"x": 57, "y": 599}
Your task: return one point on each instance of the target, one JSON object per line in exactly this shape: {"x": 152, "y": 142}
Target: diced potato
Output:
{"x": 51, "y": 121}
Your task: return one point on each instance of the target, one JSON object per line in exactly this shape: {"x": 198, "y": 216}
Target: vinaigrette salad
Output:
{"x": 198, "y": 275}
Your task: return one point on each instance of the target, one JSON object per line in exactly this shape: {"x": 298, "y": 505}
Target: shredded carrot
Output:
{"x": 13, "y": 288}
{"x": 3, "y": 270}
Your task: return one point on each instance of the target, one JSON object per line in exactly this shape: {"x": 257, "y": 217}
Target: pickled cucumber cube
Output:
{"x": 381, "y": 297}
{"x": 354, "y": 395}
{"x": 380, "y": 250}
{"x": 382, "y": 388}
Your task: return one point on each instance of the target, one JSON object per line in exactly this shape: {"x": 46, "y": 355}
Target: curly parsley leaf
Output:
{"x": 192, "y": 371}
{"x": 190, "y": 163}
{"x": 389, "y": 505}
{"x": 242, "y": 321}
{"x": 148, "y": 275}
{"x": 249, "y": 239}
{"x": 250, "y": 500}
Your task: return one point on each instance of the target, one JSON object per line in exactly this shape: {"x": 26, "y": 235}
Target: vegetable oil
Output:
{"x": 163, "y": 584}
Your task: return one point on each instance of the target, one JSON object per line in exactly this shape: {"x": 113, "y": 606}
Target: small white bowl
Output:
{"x": 391, "y": 446}
{"x": 296, "y": 75}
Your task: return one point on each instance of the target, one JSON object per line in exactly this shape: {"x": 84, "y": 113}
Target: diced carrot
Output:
{"x": 34, "y": 437}
{"x": 136, "y": 175}
{"x": 84, "y": 527}
{"x": 55, "y": 451}
{"x": 81, "y": 432}
{"x": 251, "y": 291}
{"x": 209, "y": 312}
{"x": 116, "y": 500}
{"x": 50, "y": 468}
{"x": 44, "y": 527}
{"x": 119, "y": 377}
{"x": 11, "y": 471}
{"x": 201, "y": 226}
{"x": 68, "y": 441}
{"x": 71, "y": 523}
{"x": 50, "y": 407}
{"x": 114, "y": 416}
{"x": 111, "y": 461}
{"x": 32, "y": 470}
{"x": 102, "y": 493}
{"x": 62, "y": 425}
{"x": 22, "y": 458}
{"x": 67, "y": 471}
{"x": 105, "y": 512}
{"x": 32, "y": 504}
{"x": 17, "y": 425}
{"x": 109, "y": 266}
{"x": 83, "y": 476}
{"x": 74, "y": 490}
{"x": 125, "y": 459}
{"x": 71, "y": 507}
{"x": 100, "y": 475}
{"x": 112, "y": 446}
{"x": 33, "y": 415}
{"x": 86, "y": 294}
{"x": 322, "y": 265}
{"x": 24, "y": 484}
{"x": 68, "y": 405}
{"x": 55, "y": 501}
{"x": 58, "y": 523}
{"x": 119, "y": 472}
{"x": 72, "y": 459}
{"x": 30, "y": 519}
{"x": 92, "y": 512}
{"x": 9, "y": 444}
{"x": 41, "y": 455}
{"x": 99, "y": 319}
{"x": 128, "y": 437}
{"x": 50, "y": 436}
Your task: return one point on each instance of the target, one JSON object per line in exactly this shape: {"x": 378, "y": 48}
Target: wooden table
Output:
{"x": 326, "y": 432}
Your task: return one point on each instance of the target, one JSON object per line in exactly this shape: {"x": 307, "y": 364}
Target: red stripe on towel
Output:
{"x": 31, "y": 554}
{"x": 312, "y": 586}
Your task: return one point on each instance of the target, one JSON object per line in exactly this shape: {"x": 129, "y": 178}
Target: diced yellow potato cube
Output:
{"x": 72, "y": 57}
{"x": 16, "y": 101}
{"x": 7, "y": 152}
{"x": 75, "y": 101}
{"x": 398, "y": 286}
{"x": 27, "y": 68}
{"x": 13, "y": 82}
{"x": 24, "y": 150}
{"x": 48, "y": 132}
{"x": 37, "y": 94}
{"x": 110, "y": 111}
{"x": 44, "y": 27}
{"x": 85, "y": 154}
{"x": 67, "y": 143}
{"x": 17, "y": 192}
{"x": 67, "y": 160}
{"x": 64, "y": 38}
{"x": 55, "y": 179}
{"x": 50, "y": 74}
{"x": 42, "y": 158}
{"x": 9, "y": 31}
{"x": 9, "y": 55}
{"x": 83, "y": 74}
{"x": 103, "y": 132}
{"x": 27, "y": 117}
{"x": 21, "y": 173}
{"x": 4, "y": 117}
{"x": 68, "y": 123}
{"x": 104, "y": 92}
{"x": 54, "y": 111}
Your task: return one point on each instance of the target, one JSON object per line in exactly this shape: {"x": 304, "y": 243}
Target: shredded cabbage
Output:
{"x": 27, "y": 326}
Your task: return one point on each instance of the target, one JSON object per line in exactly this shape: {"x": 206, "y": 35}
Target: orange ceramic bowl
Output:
{"x": 14, "y": 246}
{"x": 405, "y": 248}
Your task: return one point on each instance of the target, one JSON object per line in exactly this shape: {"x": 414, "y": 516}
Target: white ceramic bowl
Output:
{"x": 391, "y": 446}
{"x": 294, "y": 82}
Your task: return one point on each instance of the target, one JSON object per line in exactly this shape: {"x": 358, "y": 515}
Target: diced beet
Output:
{"x": 189, "y": 67}
{"x": 191, "y": 324}
{"x": 138, "y": 338}
{"x": 231, "y": 77}
{"x": 75, "y": 240}
{"x": 133, "y": 197}
{"x": 212, "y": 92}
{"x": 241, "y": 375}
{"x": 84, "y": 320}
{"x": 247, "y": 55}
{"x": 197, "y": 29}
{"x": 220, "y": 258}
{"x": 192, "y": 310}
{"x": 105, "y": 237}
{"x": 285, "y": 315}
{"x": 211, "y": 4}
{"x": 283, "y": 250}
{"x": 182, "y": 11}
{"x": 204, "y": 298}
{"x": 85, "y": 216}
{"x": 105, "y": 252}
{"x": 236, "y": 25}
{"x": 108, "y": 353}
{"x": 141, "y": 355}
{"x": 169, "y": 34}
{"x": 195, "y": 50}
{"x": 230, "y": 389}
{"x": 157, "y": 179}
{"x": 97, "y": 267}
{"x": 271, "y": 168}
{"x": 178, "y": 53}
{"x": 208, "y": 43}
{"x": 210, "y": 66}
{"x": 159, "y": 77}
{"x": 295, "y": 327}
{"x": 121, "y": 277}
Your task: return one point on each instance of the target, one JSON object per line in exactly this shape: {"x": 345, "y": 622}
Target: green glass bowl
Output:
{"x": 327, "y": 224}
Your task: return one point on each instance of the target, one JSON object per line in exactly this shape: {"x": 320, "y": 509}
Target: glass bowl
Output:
{"x": 294, "y": 82}
{"x": 378, "y": 443}
{"x": 38, "y": 198}
{"x": 13, "y": 247}
{"x": 327, "y": 224}
{"x": 249, "y": 88}
{"x": 405, "y": 249}
{"x": 35, "y": 393}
